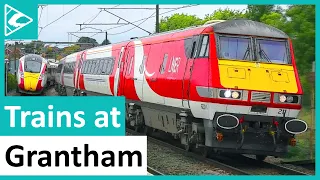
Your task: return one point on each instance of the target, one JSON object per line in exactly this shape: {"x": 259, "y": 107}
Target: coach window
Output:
{"x": 84, "y": 67}
{"x": 59, "y": 68}
{"x": 204, "y": 46}
{"x": 141, "y": 68}
{"x": 95, "y": 69}
{"x": 104, "y": 66}
{"x": 87, "y": 67}
{"x": 99, "y": 66}
{"x": 110, "y": 65}
{"x": 73, "y": 67}
{"x": 90, "y": 67}
{"x": 66, "y": 68}
{"x": 164, "y": 64}
{"x": 130, "y": 66}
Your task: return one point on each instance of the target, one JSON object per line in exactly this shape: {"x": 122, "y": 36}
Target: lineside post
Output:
{"x": 6, "y": 76}
{"x": 312, "y": 128}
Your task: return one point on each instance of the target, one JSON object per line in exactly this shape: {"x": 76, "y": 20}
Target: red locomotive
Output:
{"x": 228, "y": 86}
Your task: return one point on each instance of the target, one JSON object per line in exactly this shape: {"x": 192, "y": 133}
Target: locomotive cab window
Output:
{"x": 232, "y": 47}
{"x": 33, "y": 63}
{"x": 272, "y": 51}
{"x": 204, "y": 46}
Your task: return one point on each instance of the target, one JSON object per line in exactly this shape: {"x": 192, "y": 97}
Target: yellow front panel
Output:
{"x": 31, "y": 81}
{"x": 257, "y": 76}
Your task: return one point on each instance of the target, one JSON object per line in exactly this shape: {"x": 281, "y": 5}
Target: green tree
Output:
{"x": 104, "y": 42}
{"x": 71, "y": 49}
{"x": 178, "y": 21}
{"x": 255, "y": 12}
{"x": 37, "y": 46}
{"x": 224, "y": 14}
{"x": 275, "y": 19}
{"x": 87, "y": 40}
{"x": 301, "y": 29}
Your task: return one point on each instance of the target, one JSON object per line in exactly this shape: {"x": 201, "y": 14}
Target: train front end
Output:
{"x": 31, "y": 76}
{"x": 260, "y": 88}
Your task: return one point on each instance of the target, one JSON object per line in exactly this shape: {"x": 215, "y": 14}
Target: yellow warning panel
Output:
{"x": 257, "y": 76}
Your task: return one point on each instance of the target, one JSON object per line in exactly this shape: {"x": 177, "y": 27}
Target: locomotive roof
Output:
{"x": 34, "y": 57}
{"x": 236, "y": 26}
{"x": 248, "y": 27}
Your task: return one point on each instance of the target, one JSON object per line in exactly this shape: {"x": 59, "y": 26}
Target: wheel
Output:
{"x": 261, "y": 157}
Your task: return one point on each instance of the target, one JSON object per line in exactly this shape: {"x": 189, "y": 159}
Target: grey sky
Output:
{"x": 58, "y": 30}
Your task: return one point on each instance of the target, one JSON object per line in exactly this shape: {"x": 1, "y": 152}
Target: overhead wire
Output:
{"x": 40, "y": 15}
{"x": 58, "y": 18}
{"x": 94, "y": 17}
{"x": 145, "y": 19}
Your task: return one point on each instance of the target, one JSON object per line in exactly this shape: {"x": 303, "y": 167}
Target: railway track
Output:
{"x": 308, "y": 164}
{"x": 154, "y": 171}
{"x": 236, "y": 164}
{"x": 223, "y": 166}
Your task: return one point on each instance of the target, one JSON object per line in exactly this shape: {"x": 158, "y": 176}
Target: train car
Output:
{"x": 32, "y": 74}
{"x": 52, "y": 70}
{"x": 225, "y": 86}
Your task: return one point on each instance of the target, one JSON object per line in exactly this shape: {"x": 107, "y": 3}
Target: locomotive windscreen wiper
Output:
{"x": 262, "y": 53}
{"x": 246, "y": 53}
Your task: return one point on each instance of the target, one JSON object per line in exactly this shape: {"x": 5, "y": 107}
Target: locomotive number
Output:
{"x": 282, "y": 111}
{"x": 174, "y": 66}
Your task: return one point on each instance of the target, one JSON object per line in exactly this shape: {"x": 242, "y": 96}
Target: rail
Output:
{"x": 154, "y": 171}
{"x": 238, "y": 165}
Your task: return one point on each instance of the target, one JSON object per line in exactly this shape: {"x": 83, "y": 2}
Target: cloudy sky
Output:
{"x": 58, "y": 30}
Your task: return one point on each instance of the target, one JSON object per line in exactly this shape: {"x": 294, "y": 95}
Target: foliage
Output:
{"x": 301, "y": 28}
{"x": 178, "y": 21}
{"x": 59, "y": 57}
{"x": 224, "y": 14}
{"x": 256, "y": 12}
{"x": 104, "y": 42}
{"x": 87, "y": 40}
{"x": 71, "y": 49}
{"x": 12, "y": 82}
{"x": 33, "y": 47}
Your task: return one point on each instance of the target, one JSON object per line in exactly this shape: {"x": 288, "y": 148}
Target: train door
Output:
{"x": 128, "y": 78}
{"x": 77, "y": 70}
{"x": 123, "y": 70}
{"x": 191, "y": 45}
{"x": 138, "y": 69}
{"x": 117, "y": 74}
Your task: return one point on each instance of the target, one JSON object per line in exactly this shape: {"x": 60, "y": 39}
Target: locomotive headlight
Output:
{"x": 289, "y": 99}
{"x": 227, "y": 93}
{"x": 282, "y": 98}
{"x": 235, "y": 94}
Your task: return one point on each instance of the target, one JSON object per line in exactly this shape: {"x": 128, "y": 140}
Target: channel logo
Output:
{"x": 14, "y": 20}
